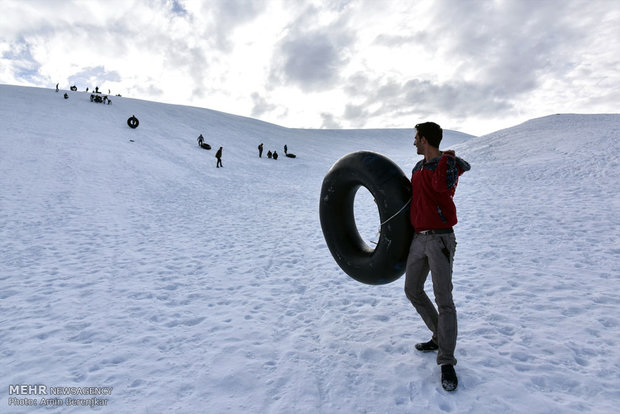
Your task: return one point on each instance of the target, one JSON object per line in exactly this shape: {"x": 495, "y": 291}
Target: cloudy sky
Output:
{"x": 471, "y": 65}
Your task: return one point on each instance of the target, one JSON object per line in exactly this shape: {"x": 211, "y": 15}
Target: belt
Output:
{"x": 438, "y": 231}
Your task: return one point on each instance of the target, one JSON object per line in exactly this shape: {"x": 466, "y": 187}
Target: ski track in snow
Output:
{"x": 139, "y": 265}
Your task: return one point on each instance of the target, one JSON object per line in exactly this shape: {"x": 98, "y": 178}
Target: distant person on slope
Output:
{"x": 218, "y": 155}
{"x": 275, "y": 155}
{"x": 260, "y": 150}
{"x": 200, "y": 140}
{"x": 432, "y": 214}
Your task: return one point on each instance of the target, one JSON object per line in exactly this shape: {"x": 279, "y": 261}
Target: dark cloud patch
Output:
{"x": 177, "y": 8}
{"x": 312, "y": 55}
{"x": 311, "y": 61}
{"x": 229, "y": 14}
{"x": 502, "y": 53}
{"x": 261, "y": 106}
{"x": 355, "y": 112}
{"x": 239, "y": 10}
{"x": 421, "y": 98}
{"x": 459, "y": 98}
{"x": 215, "y": 21}
{"x": 512, "y": 45}
{"x": 329, "y": 121}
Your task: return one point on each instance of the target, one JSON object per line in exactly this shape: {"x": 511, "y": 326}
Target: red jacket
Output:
{"x": 433, "y": 184}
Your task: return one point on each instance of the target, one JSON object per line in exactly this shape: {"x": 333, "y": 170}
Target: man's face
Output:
{"x": 417, "y": 142}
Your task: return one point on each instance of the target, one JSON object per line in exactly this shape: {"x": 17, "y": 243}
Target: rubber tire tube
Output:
{"x": 391, "y": 190}
{"x": 133, "y": 122}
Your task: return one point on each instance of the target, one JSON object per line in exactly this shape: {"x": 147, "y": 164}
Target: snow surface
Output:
{"x": 129, "y": 261}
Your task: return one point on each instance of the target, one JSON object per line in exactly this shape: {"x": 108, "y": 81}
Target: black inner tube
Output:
{"x": 133, "y": 122}
{"x": 391, "y": 190}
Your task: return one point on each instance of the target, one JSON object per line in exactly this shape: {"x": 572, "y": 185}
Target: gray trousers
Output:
{"x": 426, "y": 254}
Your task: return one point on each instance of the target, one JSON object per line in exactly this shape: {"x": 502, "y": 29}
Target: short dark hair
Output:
{"x": 431, "y": 131}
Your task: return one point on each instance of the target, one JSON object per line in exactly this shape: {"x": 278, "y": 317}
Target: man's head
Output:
{"x": 429, "y": 131}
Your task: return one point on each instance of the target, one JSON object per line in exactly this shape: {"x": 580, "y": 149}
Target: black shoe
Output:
{"x": 427, "y": 346}
{"x": 449, "y": 381}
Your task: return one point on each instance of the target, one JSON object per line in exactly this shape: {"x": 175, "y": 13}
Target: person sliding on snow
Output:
{"x": 432, "y": 214}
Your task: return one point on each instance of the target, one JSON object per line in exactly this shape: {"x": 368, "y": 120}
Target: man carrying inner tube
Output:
{"x": 433, "y": 213}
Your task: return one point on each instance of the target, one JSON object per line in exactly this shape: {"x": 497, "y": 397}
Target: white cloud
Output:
{"x": 357, "y": 63}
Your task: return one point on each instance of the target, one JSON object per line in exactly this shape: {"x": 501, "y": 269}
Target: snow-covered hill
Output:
{"x": 129, "y": 261}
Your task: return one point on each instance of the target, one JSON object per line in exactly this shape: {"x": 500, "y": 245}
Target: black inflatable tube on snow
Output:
{"x": 391, "y": 190}
{"x": 133, "y": 122}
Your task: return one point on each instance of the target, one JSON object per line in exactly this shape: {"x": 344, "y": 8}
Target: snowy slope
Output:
{"x": 130, "y": 261}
